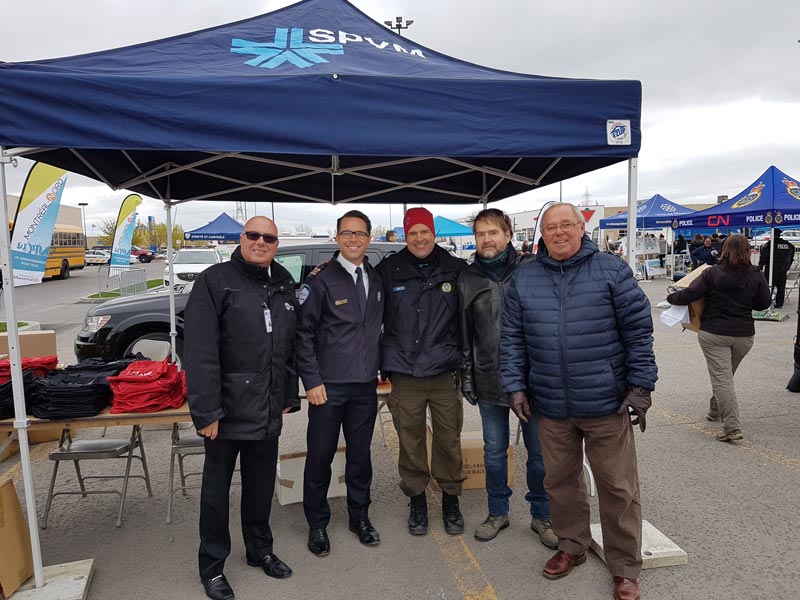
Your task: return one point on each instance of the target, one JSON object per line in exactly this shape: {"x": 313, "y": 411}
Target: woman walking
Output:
{"x": 732, "y": 289}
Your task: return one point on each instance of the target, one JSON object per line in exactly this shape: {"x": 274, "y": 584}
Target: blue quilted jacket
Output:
{"x": 575, "y": 334}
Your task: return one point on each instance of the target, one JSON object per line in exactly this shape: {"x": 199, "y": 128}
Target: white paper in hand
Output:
{"x": 674, "y": 315}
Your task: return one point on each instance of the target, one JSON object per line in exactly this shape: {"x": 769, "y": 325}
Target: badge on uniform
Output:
{"x": 305, "y": 291}
{"x": 446, "y": 287}
{"x": 340, "y": 302}
{"x": 379, "y": 295}
{"x": 399, "y": 289}
{"x": 288, "y": 306}
{"x": 268, "y": 319}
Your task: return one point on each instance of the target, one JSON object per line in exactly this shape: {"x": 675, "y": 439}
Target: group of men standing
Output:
{"x": 563, "y": 338}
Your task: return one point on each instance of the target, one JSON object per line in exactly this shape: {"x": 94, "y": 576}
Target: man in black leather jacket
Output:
{"x": 419, "y": 352}
{"x": 239, "y": 333}
{"x": 481, "y": 289}
{"x": 784, "y": 257}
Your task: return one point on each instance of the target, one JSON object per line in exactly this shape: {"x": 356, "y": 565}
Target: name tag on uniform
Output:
{"x": 340, "y": 302}
{"x": 399, "y": 289}
{"x": 268, "y": 319}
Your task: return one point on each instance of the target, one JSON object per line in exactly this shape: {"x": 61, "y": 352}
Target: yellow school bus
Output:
{"x": 66, "y": 251}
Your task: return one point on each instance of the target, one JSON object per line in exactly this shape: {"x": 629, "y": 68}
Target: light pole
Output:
{"x": 398, "y": 25}
{"x": 83, "y": 205}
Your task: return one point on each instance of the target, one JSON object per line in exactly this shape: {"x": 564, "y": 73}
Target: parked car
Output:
{"x": 97, "y": 257}
{"x": 189, "y": 263}
{"x": 790, "y": 235}
{"x": 111, "y": 329}
{"x": 143, "y": 255}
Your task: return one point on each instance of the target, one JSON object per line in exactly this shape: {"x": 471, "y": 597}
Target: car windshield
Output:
{"x": 195, "y": 257}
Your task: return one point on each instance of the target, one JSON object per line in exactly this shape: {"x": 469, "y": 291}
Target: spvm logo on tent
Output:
{"x": 290, "y": 47}
{"x": 618, "y": 132}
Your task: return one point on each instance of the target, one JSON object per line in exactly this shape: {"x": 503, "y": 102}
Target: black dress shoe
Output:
{"x": 318, "y": 542}
{"x": 218, "y": 588}
{"x": 367, "y": 534}
{"x": 273, "y": 566}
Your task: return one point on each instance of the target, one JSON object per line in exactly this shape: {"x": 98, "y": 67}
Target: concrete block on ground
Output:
{"x": 657, "y": 549}
{"x": 67, "y": 581}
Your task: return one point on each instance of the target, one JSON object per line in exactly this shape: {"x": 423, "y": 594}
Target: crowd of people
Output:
{"x": 562, "y": 338}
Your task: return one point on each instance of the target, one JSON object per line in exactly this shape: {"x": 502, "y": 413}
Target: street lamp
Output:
{"x": 398, "y": 24}
{"x": 83, "y": 205}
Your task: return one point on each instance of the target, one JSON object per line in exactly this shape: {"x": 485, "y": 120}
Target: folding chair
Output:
{"x": 181, "y": 447}
{"x": 98, "y": 450}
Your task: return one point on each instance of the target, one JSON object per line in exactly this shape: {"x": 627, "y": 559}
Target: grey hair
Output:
{"x": 574, "y": 208}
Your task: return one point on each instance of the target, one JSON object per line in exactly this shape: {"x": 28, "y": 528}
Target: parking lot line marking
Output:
{"x": 465, "y": 568}
{"x": 757, "y": 449}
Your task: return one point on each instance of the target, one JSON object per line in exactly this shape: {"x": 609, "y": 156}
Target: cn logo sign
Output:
{"x": 717, "y": 220}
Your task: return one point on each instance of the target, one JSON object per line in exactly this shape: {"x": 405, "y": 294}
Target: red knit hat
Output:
{"x": 418, "y": 215}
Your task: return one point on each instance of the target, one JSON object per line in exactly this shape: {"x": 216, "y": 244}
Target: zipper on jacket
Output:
{"x": 562, "y": 349}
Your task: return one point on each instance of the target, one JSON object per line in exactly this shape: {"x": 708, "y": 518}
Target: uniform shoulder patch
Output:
{"x": 318, "y": 269}
{"x": 303, "y": 294}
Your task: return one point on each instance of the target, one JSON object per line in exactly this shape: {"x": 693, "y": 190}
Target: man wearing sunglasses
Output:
{"x": 338, "y": 337}
{"x": 239, "y": 333}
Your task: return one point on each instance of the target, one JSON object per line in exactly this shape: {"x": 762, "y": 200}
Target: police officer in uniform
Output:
{"x": 338, "y": 337}
{"x": 784, "y": 256}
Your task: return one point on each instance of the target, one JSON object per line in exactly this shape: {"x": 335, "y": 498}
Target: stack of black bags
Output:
{"x": 29, "y": 380}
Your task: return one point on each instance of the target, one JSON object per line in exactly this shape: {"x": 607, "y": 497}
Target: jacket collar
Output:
{"x": 274, "y": 272}
{"x": 587, "y": 249}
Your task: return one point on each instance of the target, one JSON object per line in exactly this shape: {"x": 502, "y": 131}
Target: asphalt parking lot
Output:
{"x": 732, "y": 507}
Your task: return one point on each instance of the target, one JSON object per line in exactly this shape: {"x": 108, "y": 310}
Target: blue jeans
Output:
{"x": 495, "y": 457}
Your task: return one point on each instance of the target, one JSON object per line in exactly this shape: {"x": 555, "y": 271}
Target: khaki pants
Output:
{"x": 407, "y": 402}
{"x": 611, "y": 451}
{"x": 723, "y": 354}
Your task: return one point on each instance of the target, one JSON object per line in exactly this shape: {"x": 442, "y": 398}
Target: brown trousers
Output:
{"x": 611, "y": 451}
{"x": 407, "y": 402}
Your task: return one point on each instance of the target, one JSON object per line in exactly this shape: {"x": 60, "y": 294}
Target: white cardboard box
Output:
{"x": 289, "y": 479}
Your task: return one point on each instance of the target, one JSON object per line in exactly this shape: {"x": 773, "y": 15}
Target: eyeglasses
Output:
{"x": 565, "y": 227}
{"x": 254, "y": 235}
{"x": 347, "y": 234}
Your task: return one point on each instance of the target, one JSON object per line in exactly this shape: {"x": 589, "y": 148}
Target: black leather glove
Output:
{"x": 636, "y": 403}
{"x": 518, "y": 402}
{"x": 470, "y": 397}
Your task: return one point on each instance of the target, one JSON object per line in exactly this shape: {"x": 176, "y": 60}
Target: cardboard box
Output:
{"x": 32, "y": 343}
{"x": 16, "y": 559}
{"x": 472, "y": 459}
{"x": 289, "y": 478}
{"x": 695, "y": 308}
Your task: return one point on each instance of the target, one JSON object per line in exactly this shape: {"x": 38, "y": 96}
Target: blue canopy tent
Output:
{"x": 772, "y": 200}
{"x": 223, "y": 228}
{"x": 315, "y": 102}
{"x": 448, "y": 228}
{"x": 654, "y": 213}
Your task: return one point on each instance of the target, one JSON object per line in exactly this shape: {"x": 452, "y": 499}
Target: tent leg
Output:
{"x": 633, "y": 164}
{"x": 173, "y": 331}
{"x": 20, "y": 415}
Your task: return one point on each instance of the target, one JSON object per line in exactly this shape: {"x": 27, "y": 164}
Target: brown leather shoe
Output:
{"x": 560, "y": 565}
{"x": 626, "y": 589}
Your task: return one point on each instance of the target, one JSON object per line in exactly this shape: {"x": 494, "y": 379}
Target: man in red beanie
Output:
{"x": 420, "y": 354}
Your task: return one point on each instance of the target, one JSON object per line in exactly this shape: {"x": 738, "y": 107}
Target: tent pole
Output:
{"x": 771, "y": 256}
{"x": 632, "y": 172}
{"x": 21, "y": 421}
{"x": 173, "y": 332}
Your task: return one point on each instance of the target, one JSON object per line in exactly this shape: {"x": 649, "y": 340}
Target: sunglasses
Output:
{"x": 254, "y": 235}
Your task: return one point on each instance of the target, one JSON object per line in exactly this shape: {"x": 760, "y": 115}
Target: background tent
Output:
{"x": 448, "y": 228}
{"x": 772, "y": 200}
{"x": 653, "y": 213}
{"x": 314, "y": 102}
{"x": 223, "y": 228}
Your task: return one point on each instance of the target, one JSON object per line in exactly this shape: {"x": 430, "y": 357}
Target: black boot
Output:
{"x": 451, "y": 514}
{"x": 418, "y": 515}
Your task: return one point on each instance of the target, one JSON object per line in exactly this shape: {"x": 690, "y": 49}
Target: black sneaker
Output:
{"x": 418, "y": 515}
{"x": 451, "y": 514}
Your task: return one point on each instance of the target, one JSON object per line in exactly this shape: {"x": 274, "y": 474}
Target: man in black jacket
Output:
{"x": 481, "y": 290}
{"x": 239, "y": 333}
{"x": 784, "y": 257}
{"x": 338, "y": 338}
{"x": 420, "y": 354}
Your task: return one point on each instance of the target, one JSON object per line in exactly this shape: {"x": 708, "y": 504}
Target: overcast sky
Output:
{"x": 721, "y": 82}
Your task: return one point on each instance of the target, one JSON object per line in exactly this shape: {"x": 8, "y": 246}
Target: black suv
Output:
{"x": 112, "y": 328}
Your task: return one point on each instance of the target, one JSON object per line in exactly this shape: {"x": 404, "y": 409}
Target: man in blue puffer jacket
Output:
{"x": 577, "y": 339}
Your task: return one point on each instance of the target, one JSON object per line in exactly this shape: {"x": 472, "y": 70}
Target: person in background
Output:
{"x": 391, "y": 235}
{"x": 421, "y": 357}
{"x": 338, "y": 337}
{"x": 662, "y": 249}
{"x": 732, "y": 290}
{"x": 784, "y": 257}
{"x": 705, "y": 254}
{"x": 577, "y": 340}
{"x": 680, "y": 245}
{"x": 696, "y": 242}
{"x": 481, "y": 290}
{"x": 239, "y": 353}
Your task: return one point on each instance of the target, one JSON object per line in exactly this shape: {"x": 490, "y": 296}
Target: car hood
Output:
{"x": 152, "y": 301}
